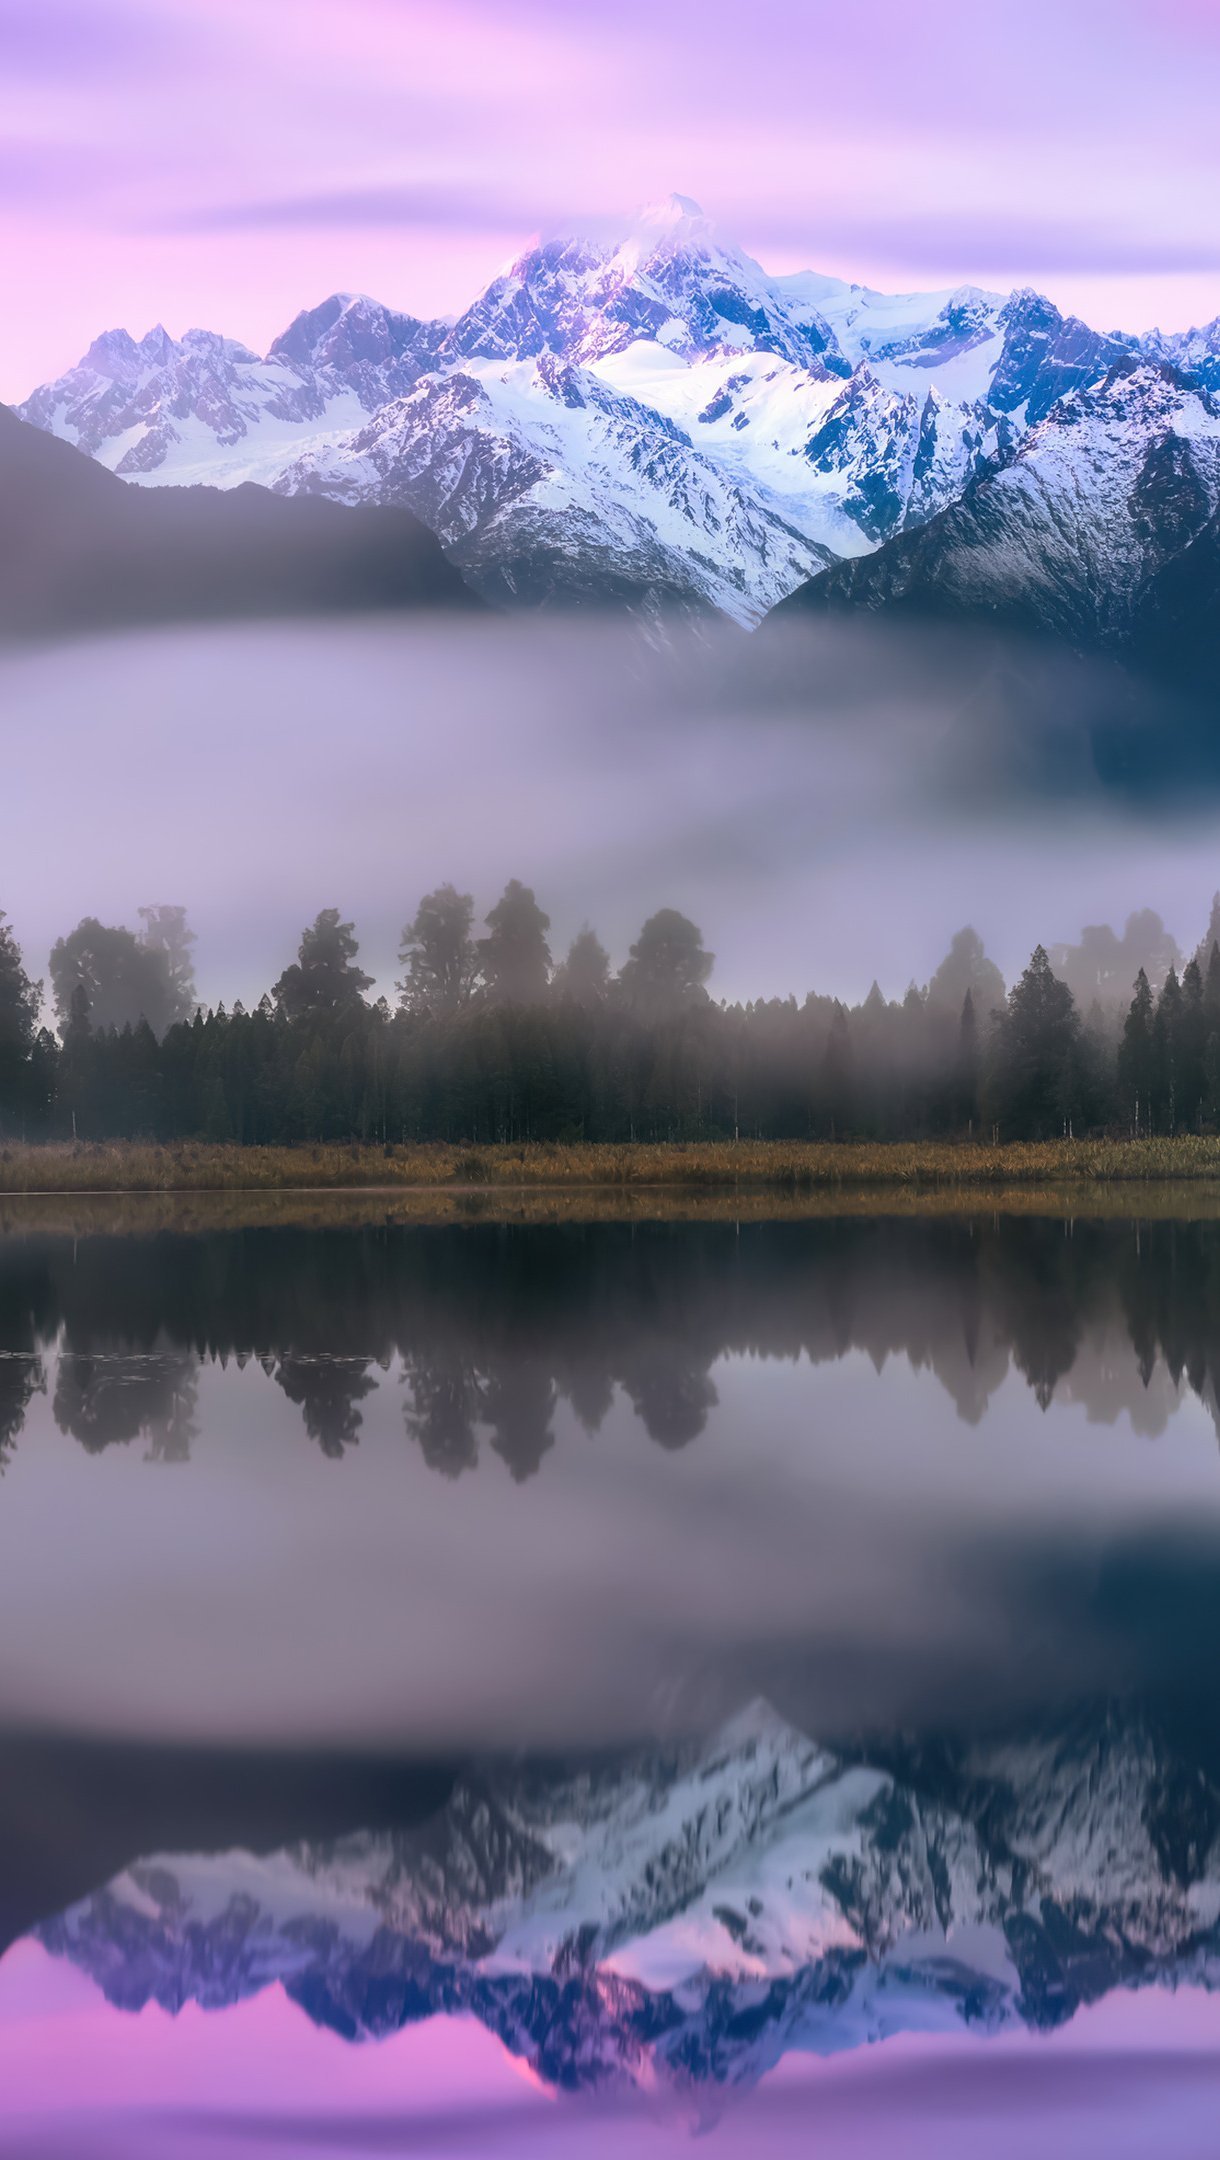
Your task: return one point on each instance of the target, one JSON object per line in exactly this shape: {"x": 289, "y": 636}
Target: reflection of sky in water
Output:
{"x": 1125, "y": 2077}
{"x": 298, "y": 1597}
{"x": 945, "y": 1496}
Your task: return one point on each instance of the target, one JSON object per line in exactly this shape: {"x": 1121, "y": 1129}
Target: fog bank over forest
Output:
{"x": 829, "y": 806}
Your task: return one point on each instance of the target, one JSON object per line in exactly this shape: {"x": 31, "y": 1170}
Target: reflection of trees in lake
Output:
{"x": 27, "y": 1321}
{"x": 327, "y": 1390}
{"x": 22, "y": 1376}
{"x": 109, "y": 1398}
{"x": 670, "y": 1394}
{"x": 496, "y": 1325}
{"x": 443, "y": 1410}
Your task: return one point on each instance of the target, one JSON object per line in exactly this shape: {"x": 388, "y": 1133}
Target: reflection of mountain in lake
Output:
{"x": 494, "y": 1324}
{"x": 682, "y": 1919}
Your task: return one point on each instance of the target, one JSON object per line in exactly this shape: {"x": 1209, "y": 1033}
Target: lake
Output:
{"x": 570, "y": 1679}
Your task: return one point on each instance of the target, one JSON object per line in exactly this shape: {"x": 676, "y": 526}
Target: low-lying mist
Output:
{"x": 828, "y": 803}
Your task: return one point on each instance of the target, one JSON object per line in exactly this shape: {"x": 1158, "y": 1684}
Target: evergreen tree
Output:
{"x": 1035, "y": 1078}
{"x": 1211, "y": 936}
{"x": 76, "y": 1065}
{"x": 967, "y": 1090}
{"x": 20, "y": 1000}
{"x": 514, "y": 957}
{"x": 966, "y": 970}
{"x": 1166, "y": 1039}
{"x": 124, "y": 980}
{"x": 1192, "y": 1042}
{"x": 668, "y": 966}
{"x": 1137, "y": 1058}
{"x": 1211, "y": 989}
{"x": 324, "y": 983}
{"x": 1210, "y": 961}
{"x": 167, "y": 931}
{"x": 585, "y": 974}
{"x": 438, "y": 954}
{"x": 838, "y": 1075}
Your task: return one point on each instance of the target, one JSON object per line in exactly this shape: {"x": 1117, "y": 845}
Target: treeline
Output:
{"x": 489, "y": 1040}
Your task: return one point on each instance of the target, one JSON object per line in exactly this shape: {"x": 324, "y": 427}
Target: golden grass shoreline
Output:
{"x": 728, "y": 1166}
{"x": 196, "y": 1187}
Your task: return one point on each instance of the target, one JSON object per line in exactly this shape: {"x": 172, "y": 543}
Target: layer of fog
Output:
{"x": 829, "y": 807}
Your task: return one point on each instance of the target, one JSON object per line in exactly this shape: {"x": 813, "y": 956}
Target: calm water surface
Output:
{"x": 498, "y": 1686}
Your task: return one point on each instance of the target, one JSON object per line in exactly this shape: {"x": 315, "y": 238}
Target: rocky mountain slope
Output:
{"x": 80, "y": 550}
{"x": 682, "y": 1919}
{"x": 648, "y": 416}
{"x": 1096, "y": 531}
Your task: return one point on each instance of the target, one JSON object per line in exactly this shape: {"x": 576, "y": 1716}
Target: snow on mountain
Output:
{"x": 683, "y": 1918}
{"x": 203, "y": 408}
{"x": 669, "y": 279}
{"x": 1116, "y": 482}
{"x": 647, "y": 413}
{"x": 1195, "y": 353}
{"x": 543, "y": 482}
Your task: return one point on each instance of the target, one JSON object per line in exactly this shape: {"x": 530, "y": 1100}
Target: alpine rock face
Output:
{"x": 647, "y": 416}
{"x": 1076, "y": 535}
{"x": 678, "y": 1920}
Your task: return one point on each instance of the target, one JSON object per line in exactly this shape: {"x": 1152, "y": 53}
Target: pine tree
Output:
{"x": 166, "y": 931}
{"x": 838, "y": 1076}
{"x": 1035, "y": 1072}
{"x": 438, "y": 955}
{"x": 1166, "y": 1040}
{"x": 20, "y": 1000}
{"x": 514, "y": 957}
{"x": 667, "y": 968}
{"x": 1191, "y": 1045}
{"x": 967, "y": 1090}
{"x": 124, "y": 980}
{"x": 1211, "y": 989}
{"x": 1137, "y": 1058}
{"x": 324, "y": 983}
{"x": 585, "y": 974}
{"x": 966, "y": 969}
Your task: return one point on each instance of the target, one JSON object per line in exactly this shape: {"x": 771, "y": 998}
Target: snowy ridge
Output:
{"x": 648, "y": 415}
{"x": 1070, "y": 535}
{"x": 685, "y": 1918}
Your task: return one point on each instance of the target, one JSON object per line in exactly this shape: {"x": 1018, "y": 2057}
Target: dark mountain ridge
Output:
{"x": 82, "y": 550}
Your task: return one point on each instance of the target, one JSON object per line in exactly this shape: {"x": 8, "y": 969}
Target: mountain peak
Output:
{"x": 671, "y": 211}
{"x": 115, "y": 353}
{"x": 668, "y": 230}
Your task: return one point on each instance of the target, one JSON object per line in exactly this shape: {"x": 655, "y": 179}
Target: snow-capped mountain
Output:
{"x": 647, "y": 414}
{"x": 544, "y": 483}
{"x": 1070, "y": 537}
{"x": 680, "y": 1920}
{"x": 204, "y": 408}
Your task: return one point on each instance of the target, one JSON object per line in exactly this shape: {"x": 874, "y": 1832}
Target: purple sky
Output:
{"x": 208, "y": 161}
{"x": 1133, "y": 2074}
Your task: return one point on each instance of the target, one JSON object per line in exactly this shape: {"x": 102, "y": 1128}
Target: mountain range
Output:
{"x": 677, "y": 1920}
{"x": 79, "y": 550}
{"x": 651, "y": 418}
